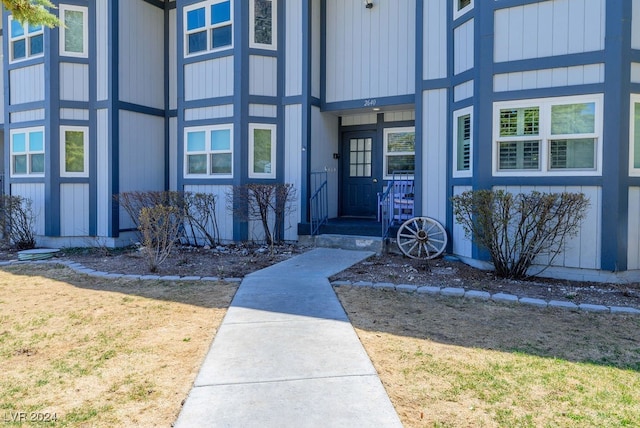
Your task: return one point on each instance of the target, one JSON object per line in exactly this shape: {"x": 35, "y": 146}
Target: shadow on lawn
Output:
{"x": 603, "y": 339}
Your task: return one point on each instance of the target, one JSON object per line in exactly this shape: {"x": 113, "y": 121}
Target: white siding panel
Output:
{"x": 635, "y": 72}
{"x": 549, "y": 78}
{"x": 263, "y": 110}
{"x": 2, "y": 82}
{"x": 141, "y": 155}
{"x": 102, "y": 44}
{"x": 74, "y": 82}
{"x": 315, "y": 47}
{"x": 26, "y": 116}
{"x": 103, "y": 173}
{"x": 324, "y": 142}
{"x": 635, "y": 25}
{"x": 293, "y": 165}
{"x": 224, "y": 218}
{"x": 359, "y": 119}
{"x": 208, "y": 79}
{"x": 213, "y": 112}
{"x": 173, "y": 153}
{"x": 397, "y": 116}
{"x": 141, "y": 66}
{"x": 370, "y": 53}
{"x": 293, "y": 47}
{"x": 34, "y": 192}
{"x": 548, "y": 28}
{"x": 74, "y": 209}
{"x": 463, "y": 47}
{"x": 173, "y": 61}
{"x": 26, "y": 84}
{"x": 434, "y": 154}
{"x": 263, "y": 72}
{"x": 462, "y": 246}
{"x": 434, "y": 39}
{"x": 633, "y": 231}
{"x": 74, "y": 114}
{"x": 463, "y": 91}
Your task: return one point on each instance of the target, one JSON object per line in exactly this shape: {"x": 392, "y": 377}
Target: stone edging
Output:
{"x": 484, "y": 295}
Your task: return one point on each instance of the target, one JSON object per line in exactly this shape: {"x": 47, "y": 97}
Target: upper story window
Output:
{"x": 262, "y": 25}
{"x": 25, "y": 41}
{"x": 73, "y": 33}
{"x": 74, "y": 151}
{"x": 399, "y": 151}
{"x": 209, "y": 151}
{"x": 460, "y": 7}
{"x": 27, "y": 152}
{"x": 208, "y": 27}
{"x": 560, "y": 136}
{"x": 462, "y": 137}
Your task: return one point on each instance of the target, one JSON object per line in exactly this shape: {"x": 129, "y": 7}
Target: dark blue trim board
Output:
{"x": 114, "y": 116}
{"x": 370, "y": 102}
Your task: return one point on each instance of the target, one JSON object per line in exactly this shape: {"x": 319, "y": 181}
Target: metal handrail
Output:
{"x": 386, "y": 210}
{"x": 319, "y": 201}
{"x": 387, "y": 200}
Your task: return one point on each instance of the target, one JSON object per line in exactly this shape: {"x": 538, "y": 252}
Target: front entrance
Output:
{"x": 361, "y": 173}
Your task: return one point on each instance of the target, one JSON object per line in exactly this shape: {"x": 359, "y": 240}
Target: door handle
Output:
{"x": 375, "y": 180}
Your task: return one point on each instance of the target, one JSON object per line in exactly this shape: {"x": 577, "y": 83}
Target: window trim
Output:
{"x": 26, "y": 36}
{"x": 85, "y": 31}
{"x": 385, "y": 151}
{"x": 208, "y": 27}
{"x": 63, "y": 151}
{"x": 457, "y": 13}
{"x": 208, "y": 151}
{"x": 461, "y": 173}
{"x": 27, "y": 152}
{"x": 274, "y": 27}
{"x": 263, "y": 126}
{"x": 544, "y": 136}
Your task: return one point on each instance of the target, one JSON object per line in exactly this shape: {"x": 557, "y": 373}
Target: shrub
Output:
{"x": 17, "y": 220}
{"x": 160, "y": 227}
{"x": 515, "y": 229}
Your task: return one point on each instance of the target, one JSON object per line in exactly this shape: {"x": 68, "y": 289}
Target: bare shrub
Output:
{"x": 515, "y": 229}
{"x": 160, "y": 227}
{"x": 17, "y": 220}
{"x": 133, "y": 202}
{"x": 200, "y": 216}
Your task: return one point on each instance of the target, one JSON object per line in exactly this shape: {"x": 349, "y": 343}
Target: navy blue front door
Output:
{"x": 361, "y": 174}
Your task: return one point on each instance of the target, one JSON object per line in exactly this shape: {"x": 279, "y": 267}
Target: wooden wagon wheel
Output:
{"x": 421, "y": 238}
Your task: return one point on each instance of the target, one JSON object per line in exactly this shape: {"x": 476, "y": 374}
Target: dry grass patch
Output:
{"x": 102, "y": 352}
{"x": 460, "y": 363}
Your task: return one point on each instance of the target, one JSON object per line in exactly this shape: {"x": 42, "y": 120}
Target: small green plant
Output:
{"x": 515, "y": 229}
{"x": 160, "y": 227}
{"x": 17, "y": 221}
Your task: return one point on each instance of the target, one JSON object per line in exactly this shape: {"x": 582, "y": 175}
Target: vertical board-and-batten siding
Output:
{"x": 211, "y": 112}
{"x": 434, "y": 39}
{"x": 74, "y": 82}
{"x": 434, "y": 154}
{"x": 26, "y": 84}
{"x": 633, "y": 252}
{"x": 74, "y": 209}
{"x": 74, "y": 114}
{"x": 370, "y": 53}
{"x": 2, "y": 104}
{"x": 27, "y": 116}
{"x": 208, "y": 79}
{"x": 463, "y": 91}
{"x": 263, "y": 110}
{"x": 102, "y": 49}
{"x": 263, "y": 75}
{"x": 141, "y": 54}
{"x": 103, "y": 173}
{"x": 223, "y": 217}
{"x": 173, "y": 61}
{"x": 635, "y": 24}
{"x": 293, "y": 165}
{"x": 549, "y": 28}
{"x": 324, "y": 143}
{"x": 35, "y": 193}
{"x": 293, "y": 48}
{"x": 635, "y": 72}
{"x": 316, "y": 54}
{"x": 462, "y": 246}
{"x": 549, "y": 78}
{"x": 463, "y": 47}
{"x": 141, "y": 155}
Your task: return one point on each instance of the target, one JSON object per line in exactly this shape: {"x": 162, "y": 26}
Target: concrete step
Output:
{"x": 345, "y": 242}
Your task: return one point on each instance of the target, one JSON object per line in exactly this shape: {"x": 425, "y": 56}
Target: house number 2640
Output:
{"x": 370, "y": 103}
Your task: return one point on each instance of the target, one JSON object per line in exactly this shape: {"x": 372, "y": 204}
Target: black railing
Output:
{"x": 319, "y": 202}
{"x": 396, "y": 202}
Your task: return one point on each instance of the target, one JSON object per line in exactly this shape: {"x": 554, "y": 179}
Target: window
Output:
{"x": 262, "y": 25}
{"x": 25, "y": 41}
{"x": 399, "y": 151}
{"x": 553, "y": 135}
{"x": 462, "y": 147}
{"x": 73, "y": 32}
{"x": 461, "y": 7}
{"x": 262, "y": 151}
{"x": 634, "y": 138}
{"x": 27, "y": 152}
{"x": 209, "y": 151}
{"x": 74, "y": 147}
{"x": 208, "y": 27}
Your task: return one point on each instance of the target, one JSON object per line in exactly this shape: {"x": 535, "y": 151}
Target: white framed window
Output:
{"x": 208, "y": 27}
{"x": 262, "y": 150}
{"x": 208, "y": 151}
{"x": 25, "y": 41}
{"x": 74, "y": 34}
{"x": 263, "y": 24}
{"x": 634, "y": 137}
{"x": 399, "y": 151}
{"x": 548, "y": 136}
{"x": 74, "y": 151}
{"x": 460, "y": 7}
{"x": 463, "y": 142}
{"x": 27, "y": 152}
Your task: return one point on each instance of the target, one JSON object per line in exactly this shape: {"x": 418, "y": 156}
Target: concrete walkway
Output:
{"x": 287, "y": 356}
